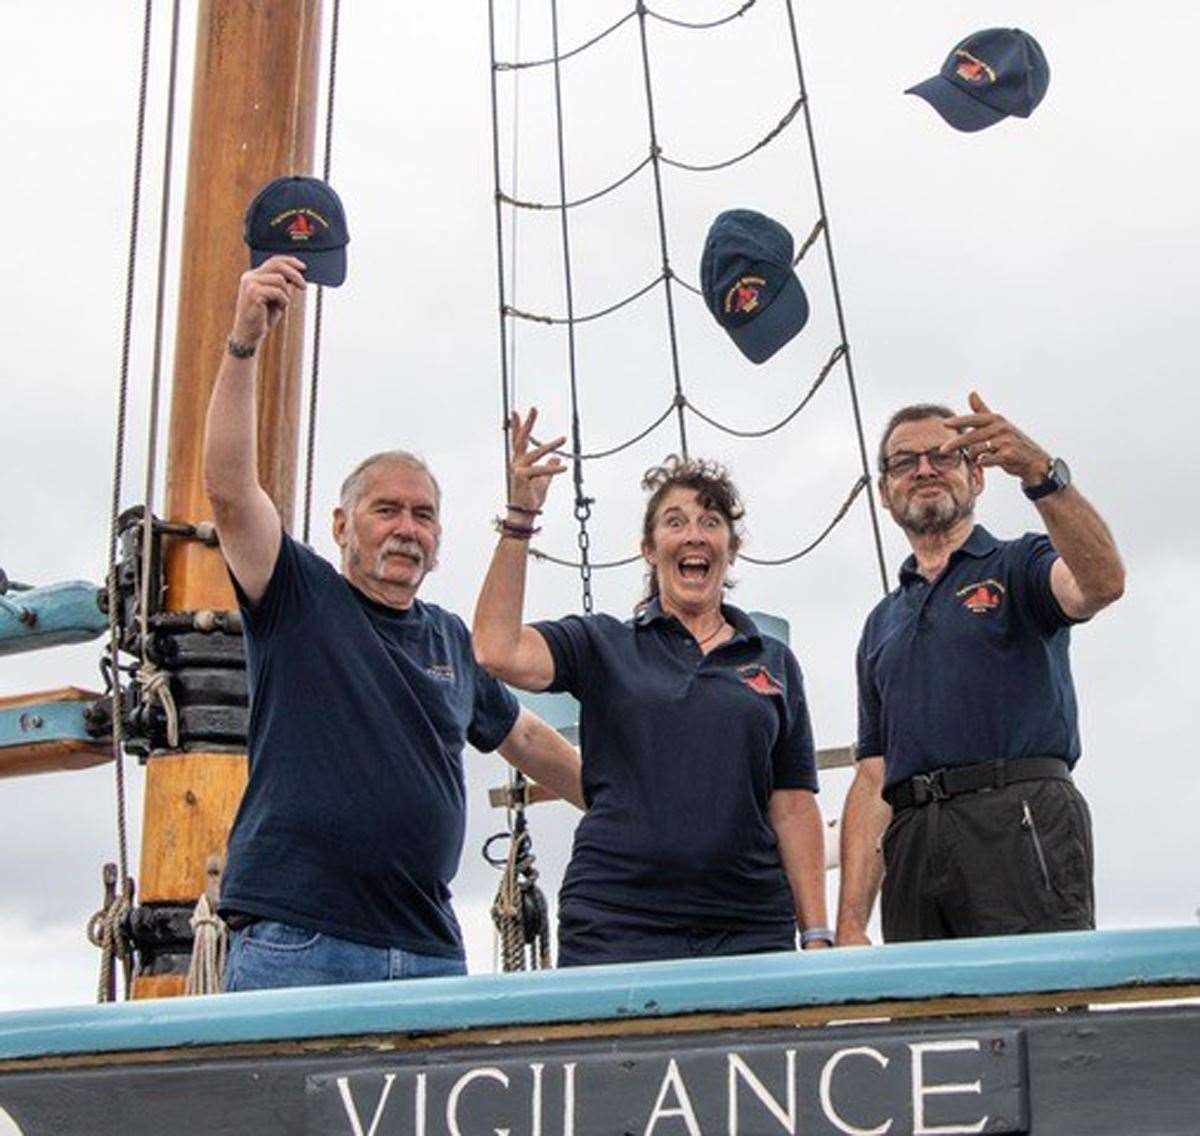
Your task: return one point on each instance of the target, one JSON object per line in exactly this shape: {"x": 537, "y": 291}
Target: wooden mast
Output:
{"x": 253, "y": 119}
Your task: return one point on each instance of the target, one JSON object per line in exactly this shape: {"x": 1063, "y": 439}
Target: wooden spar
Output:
{"x": 253, "y": 119}
{"x": 68, "y": 749}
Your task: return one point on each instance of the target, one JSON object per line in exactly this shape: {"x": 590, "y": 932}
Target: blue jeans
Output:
{"x": 266, "y": 956}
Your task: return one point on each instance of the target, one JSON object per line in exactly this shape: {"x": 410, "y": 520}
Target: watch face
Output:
{"x": 1060, "y": 473}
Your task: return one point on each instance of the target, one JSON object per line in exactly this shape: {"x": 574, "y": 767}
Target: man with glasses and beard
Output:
{"x": 963, "y": 800}
{"x": 362, "y": 699}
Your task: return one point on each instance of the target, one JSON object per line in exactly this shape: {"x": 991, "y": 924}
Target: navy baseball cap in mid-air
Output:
{"x": 302, "y": 217}
{"x": 989, "y": 76}
{"x": 748, "y": 283}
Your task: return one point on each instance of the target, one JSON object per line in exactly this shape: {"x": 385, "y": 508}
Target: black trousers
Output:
{"x": 995, "y": 862}
{"x": 594, "y": 933}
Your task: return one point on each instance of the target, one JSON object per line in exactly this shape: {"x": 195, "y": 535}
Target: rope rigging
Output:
{"x": 763, "y": 142}
{"x": 686, "y": 403}
{"x": 583, "y": 503}
{"x": 311, "y": 442}
{"x": 519, "y": 913}
{"x": 599, "y": 566}
{"x": 639, "y": 9}
{"x": 105, "y": 927}
{"x": 657, "y": 155}
{"x": 680, "y": 403}
{"x": 519, "y": 204}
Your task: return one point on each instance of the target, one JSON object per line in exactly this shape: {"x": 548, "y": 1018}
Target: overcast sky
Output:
{"x": 1049, "y": 263}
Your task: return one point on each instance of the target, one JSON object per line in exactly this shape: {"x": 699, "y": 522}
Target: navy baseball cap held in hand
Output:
{"x": 748, "y": 283}
{"x": 989, "y": 76}
{"x": 302, "y": 217}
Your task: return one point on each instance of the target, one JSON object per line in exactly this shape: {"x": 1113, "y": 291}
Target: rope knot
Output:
{"x": 156, "y": 686}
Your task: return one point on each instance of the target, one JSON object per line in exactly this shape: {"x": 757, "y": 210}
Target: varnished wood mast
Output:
{"x": 253, "y": 119}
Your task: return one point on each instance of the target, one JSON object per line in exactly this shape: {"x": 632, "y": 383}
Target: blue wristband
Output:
{"x": 813, "y": 934}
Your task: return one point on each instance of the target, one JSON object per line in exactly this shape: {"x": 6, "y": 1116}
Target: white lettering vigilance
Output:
{"x": 920, "y": 1090}
{"x": 489, "y": 1072}
{"x": 739, "y": 1069}
{"x": 673, "y": 1082}
{"x": 831, "y": 1114}
{"x": 343, "y": 1084}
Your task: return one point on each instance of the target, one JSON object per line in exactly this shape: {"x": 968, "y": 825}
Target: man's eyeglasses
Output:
{"x": 905, "y": 461}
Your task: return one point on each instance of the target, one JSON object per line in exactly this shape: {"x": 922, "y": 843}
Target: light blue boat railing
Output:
{"x": 1072, "y": 964}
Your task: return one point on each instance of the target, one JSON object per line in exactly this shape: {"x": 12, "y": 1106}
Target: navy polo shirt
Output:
{"x": 353, "y": 818}
{"x": 971, "y": 667}
{"x": 681, "y": 753}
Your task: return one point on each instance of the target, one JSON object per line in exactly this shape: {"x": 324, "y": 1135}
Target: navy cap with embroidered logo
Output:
{"x": 748, "y": 282}
{"x": 302, "y": 217}
{"x": 990, "y": 75}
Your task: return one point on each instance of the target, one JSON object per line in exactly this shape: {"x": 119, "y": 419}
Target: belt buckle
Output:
{"x": 930, "y": 787}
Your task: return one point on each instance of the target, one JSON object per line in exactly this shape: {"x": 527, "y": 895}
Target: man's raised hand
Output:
{"x": 990, "y": 439}
{"x": 264, "y": 294}
{"x": 528, "y": 476}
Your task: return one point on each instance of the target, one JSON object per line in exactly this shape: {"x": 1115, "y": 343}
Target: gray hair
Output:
{"x": 352, "y": 487}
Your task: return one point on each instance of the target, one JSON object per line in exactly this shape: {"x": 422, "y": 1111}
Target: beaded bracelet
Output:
{"x": 517, "y": 532}
{"x": 523, "y": 510}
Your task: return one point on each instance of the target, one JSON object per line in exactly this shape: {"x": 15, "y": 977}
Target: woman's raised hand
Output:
{"x": 528, "y": 475}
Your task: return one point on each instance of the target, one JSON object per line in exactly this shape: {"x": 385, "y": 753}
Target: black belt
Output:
{"x": 942, "y": 784}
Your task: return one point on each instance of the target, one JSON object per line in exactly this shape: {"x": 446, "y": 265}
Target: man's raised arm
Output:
{"x": 247, "y": 520}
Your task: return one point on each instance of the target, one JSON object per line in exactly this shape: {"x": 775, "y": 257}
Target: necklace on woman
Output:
{"x": 712, "y": 634}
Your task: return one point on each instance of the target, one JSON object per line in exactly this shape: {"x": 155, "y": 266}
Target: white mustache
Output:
{"x": 398, "y": 546}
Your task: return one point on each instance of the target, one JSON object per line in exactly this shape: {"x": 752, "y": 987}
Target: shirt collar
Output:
{"x": 979, "y": 544}
{"x": 652, "y": 612}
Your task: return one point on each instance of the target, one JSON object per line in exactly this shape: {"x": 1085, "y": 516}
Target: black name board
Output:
{"x": 924, "y": 1085}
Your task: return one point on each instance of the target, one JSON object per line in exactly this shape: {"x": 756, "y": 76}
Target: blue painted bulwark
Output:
{"x": 33, "y": 722}
{"x": 50, "y": 616}
{"x": 1074, "y": 961}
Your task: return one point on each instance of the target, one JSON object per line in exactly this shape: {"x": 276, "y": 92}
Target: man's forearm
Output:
{"x": 864, "y": 819}
{"x": 1086, "y": 545}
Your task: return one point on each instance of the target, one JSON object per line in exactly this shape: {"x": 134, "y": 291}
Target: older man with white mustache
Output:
{"x": 362, "y": 700}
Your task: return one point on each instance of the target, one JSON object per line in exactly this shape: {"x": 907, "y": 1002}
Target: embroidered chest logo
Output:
{"x": 440, "y": 670}
{"x": 759, "y": 679}
{"x": 982, "y": 597}
{"x": 742, "y": 298}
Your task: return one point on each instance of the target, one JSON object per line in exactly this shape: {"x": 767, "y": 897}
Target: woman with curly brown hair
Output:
{"x": 702, "y": 834}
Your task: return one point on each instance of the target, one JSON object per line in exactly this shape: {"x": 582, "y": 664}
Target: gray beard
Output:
{"x": 934, "y": 517}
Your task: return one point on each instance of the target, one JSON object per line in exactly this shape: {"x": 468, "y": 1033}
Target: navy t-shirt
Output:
{"x": 971, "y": 667}
{"x": 681, "y": 752}
{"x": 353, "y": 818}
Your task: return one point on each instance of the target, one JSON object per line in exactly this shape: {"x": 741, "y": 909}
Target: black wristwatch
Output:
{"x": 1058, "y": 478}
